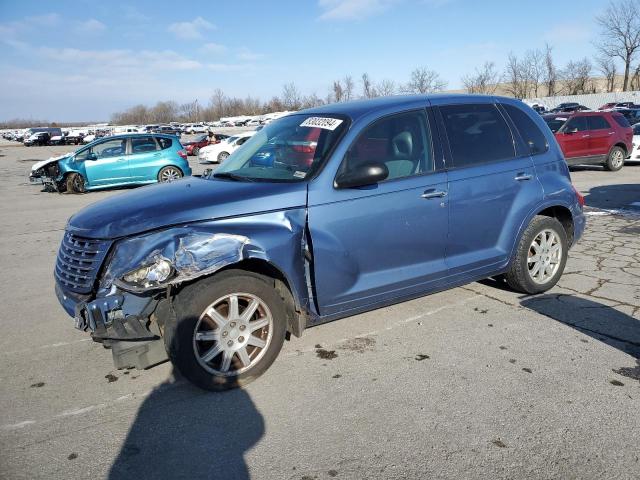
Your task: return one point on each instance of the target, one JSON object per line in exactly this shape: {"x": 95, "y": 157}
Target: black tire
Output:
{"x": 519, "y": 276}
{"x": 222, "y": 156}
{"x": 615, "y": 159}
{"x": 75, "y": 183}
{"x": 191, "y": 303}
{"x": 169, "y": 171}
{"x": 195, "y": 151}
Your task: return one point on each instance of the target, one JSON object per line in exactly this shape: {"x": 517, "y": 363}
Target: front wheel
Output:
{"x": 222, "y": 156}
{"x": 228, "y": 329}
{"x": 169, "y": 174}
{"x": 540, "y": 257}
{"x": 615, "y": 159}
{"x": 75, "y": 183}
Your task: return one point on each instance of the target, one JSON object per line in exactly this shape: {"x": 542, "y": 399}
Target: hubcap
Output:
{"x": 170, "y": 174}
{"x": 545, "y": 254}
{"x": 616, "y": 158}
{"x": 232, "y": 334}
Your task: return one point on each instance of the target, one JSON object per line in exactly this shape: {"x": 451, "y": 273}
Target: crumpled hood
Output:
{"x": 188, "y": 200}
{"x": 42, "y": 163}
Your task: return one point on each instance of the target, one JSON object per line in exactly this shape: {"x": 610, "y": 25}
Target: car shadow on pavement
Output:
{"x": 601, "y": 322}
{"x": 183, "y": 432}
{"x": 613, "y": 196}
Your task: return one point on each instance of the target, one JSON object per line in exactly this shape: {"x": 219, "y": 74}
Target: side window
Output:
{"x": 110, "y": 148}
{"x": 477, "y": 134}
{"x": 598, "y": 122}
{"x": 82, "y": 155}
{"x": 620, "y": 120}
{"x": 164, "y": 142}
{"x": 241, "y": 141}
{"x": 402, "y": 142}
{"x": 529, "y": 131}
{"x": 143, "y": 145}
{"x": 575, "y": 124}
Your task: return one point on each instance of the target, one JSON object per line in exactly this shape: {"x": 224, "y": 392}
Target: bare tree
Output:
{"x": 338, "y": 91}
{"x": 349, "y": 88}
{"x": 516, "y": 77}
{"x": 635, "y": 79}
{"x": 368, "y": 90}
{"x": 311, "y": 100}
{"x": 386, "y": 88}
{"x": 484, "y": 80}
{"x": 534, "y": 64}
{"x": 291, "y": 97}
{"x": 424, "y": 80}
{"x": 620, "y": 33}
{"x": 550, "y": 75}
{"x": 607, "y": 66}
{"x": 576, "y": 77}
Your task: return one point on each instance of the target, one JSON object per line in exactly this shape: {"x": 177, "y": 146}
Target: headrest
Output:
{"x": 402, "y": 145}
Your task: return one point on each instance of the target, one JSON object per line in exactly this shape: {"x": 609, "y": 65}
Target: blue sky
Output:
{"x": 83, "y": 60}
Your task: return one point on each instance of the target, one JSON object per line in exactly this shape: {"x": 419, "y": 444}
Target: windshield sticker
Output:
{"x": 322, "y": 122}
{"x": 298, "y": 174}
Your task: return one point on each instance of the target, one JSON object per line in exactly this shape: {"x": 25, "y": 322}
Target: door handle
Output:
{"x": 121, "y": 160}
{"x": 586, "y": 136}
{"x": 611, "y": 133}
{"x": 523, "y": 176}
{"x": 433, "y": 193}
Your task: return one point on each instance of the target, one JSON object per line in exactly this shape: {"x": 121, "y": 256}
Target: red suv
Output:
{"x": 593, "y": 138}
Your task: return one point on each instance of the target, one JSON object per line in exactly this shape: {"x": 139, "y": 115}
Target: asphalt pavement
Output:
{"x": 475, "y": 382}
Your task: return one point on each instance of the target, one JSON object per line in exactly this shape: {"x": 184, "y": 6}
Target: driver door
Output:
{"x": 110, "y": 165}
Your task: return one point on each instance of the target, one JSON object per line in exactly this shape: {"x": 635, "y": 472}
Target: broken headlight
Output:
{"x": 153, "y": 275}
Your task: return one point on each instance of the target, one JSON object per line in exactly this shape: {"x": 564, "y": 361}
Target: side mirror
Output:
{"x": 363, "y": 175}
{"x": 92, "y": 156}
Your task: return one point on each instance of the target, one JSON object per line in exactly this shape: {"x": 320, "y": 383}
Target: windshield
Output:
{"x": 287, "y": 150}
{"x": 555, "y": 123}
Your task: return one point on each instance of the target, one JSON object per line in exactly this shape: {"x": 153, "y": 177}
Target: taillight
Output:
{"x": 579, "y": 196}
{"x": 182, "y": 154}
{"x": 303, "y": 148}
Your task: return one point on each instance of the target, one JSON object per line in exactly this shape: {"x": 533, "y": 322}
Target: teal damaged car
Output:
{"x": 132, "y": 159}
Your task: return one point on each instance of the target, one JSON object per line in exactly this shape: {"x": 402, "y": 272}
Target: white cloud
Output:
{"x": 214, "y": 48}
{"x": 91, "y": 26}
{"x": 191, "y": 30}
{"x": 248, "y": 56}
{"x": 352, "y": 9}
{"x": 46, "y": 20}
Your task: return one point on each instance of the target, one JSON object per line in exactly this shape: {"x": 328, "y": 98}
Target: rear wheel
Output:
{"x": 228, "y": 329}
{"x": 75, "y": 183}
{"x": 540, "y": 257}
{"x": 222, "y": 156}
{"x": 615, "y": 159}
{"x": 169, "y": 174}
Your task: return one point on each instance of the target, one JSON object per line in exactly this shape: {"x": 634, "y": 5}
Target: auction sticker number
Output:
{"x": 325, "y": 123}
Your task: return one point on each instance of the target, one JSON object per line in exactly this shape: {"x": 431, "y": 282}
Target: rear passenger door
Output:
{"x": 492, "y": 187}
{"x": 144, "y": 156}
{"x": 600, "y": 133}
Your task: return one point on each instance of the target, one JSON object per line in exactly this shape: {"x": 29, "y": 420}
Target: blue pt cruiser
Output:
{"x": 384, "y": 200}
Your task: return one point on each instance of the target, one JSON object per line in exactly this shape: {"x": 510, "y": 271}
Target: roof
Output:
{"x": 358, "y": 108}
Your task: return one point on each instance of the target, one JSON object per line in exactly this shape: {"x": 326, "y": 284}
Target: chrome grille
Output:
{"x": 79, "y": 260}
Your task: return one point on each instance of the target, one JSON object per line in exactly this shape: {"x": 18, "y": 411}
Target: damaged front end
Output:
{"x": 122, "y": 291}
{"x": 48, "y": 173}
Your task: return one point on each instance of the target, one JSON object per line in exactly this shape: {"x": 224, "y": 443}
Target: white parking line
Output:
{"x": 51, "y": 345}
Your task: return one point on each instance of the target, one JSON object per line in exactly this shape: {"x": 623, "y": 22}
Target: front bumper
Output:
{"x": 119, "y": 316}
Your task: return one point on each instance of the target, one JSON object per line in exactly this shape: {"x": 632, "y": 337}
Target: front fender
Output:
{"x": 200, "y": 249}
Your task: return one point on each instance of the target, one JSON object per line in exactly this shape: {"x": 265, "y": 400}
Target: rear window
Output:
{"x": 477, "y": 134}
{"x": 620, "y": 120}
{"x": 164, "y": 142}
{"x": 142, "y": 145}
{"x": 598, "y": 122}
{"x": 529, "y": 131}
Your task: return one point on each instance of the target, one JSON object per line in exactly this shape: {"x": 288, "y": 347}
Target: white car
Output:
{"x": 635, "y": 152}
{"x": 220, "y": 151}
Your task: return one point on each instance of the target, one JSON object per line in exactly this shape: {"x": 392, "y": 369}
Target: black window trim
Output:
{"x": 514, "y": 128}
{"x": 438, "y": 166}
{"x": 444, "y": 139}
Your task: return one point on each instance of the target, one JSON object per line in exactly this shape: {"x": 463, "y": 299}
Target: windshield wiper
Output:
{"x": 232, "y": 176}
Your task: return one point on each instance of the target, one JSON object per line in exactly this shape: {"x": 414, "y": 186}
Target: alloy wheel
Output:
{"x": 170, "y": 174}
{"x": 233, "y": 334}
{"x": 545, "y": 255}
